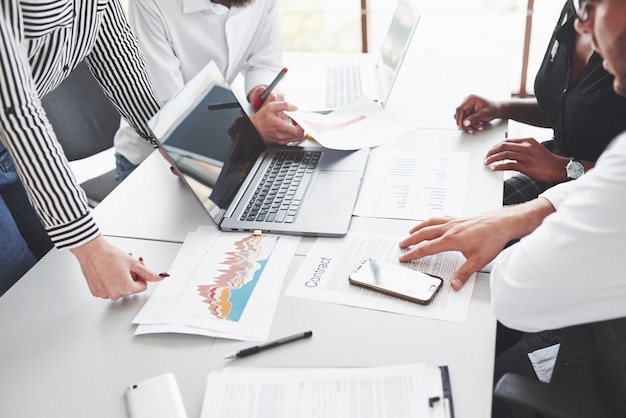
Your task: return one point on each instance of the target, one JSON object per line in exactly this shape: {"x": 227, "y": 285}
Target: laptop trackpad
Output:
{"x": 333, "y": 188}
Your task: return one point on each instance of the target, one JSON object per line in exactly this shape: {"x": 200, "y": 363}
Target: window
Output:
{"x": 336, "y": 25}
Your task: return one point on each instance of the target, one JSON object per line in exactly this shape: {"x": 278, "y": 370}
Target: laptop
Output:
{"x": 326, "y": 81}
{"x": 244, "y": 184}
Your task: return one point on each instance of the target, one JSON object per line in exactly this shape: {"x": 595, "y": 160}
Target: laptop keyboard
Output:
{"x": 344, "y": 84}
{"x": 279, "y": 194}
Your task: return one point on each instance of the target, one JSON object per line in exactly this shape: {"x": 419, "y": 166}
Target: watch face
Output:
{"x": 575, "y": 169}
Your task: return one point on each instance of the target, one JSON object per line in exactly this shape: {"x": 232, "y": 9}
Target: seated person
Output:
{"x": 179, "y": 37}
{"x": 565, "y": 272}
{"x": 574, "y": 97}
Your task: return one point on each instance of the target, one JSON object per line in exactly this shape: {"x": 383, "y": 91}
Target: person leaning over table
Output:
{"x": 566, "y": 270}
{"x": 574, "y": 97}
{"x": 179, "y": 37}
{"x": 40, "y": 44}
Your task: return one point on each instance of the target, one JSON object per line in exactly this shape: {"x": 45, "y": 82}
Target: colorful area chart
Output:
{"x": 230, "y": 292}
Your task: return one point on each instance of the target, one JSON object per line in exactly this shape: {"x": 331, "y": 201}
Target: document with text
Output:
{"x": 405, "y": 183}
{"x": 324, "y": 273}
{"x": 413, "y": 390}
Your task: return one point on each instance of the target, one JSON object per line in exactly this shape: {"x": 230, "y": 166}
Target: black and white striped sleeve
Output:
{"x": 118, "y": 63}
{"x": 27, "y": 134}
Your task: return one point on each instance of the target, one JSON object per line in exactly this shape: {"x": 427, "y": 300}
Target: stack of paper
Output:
{"x": 414, "y": 390}
{"x": 221, "y": 285}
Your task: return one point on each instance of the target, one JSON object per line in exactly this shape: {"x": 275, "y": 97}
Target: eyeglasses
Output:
{"x": 582, "y": 9}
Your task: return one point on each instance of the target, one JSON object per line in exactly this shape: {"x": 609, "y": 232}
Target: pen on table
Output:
{"x": 261, "y": 99}
{"x": 258, "y": 348}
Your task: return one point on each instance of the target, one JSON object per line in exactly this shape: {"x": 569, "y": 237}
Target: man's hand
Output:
{"x": 256, "y": 93}
{"x": 274, "y": 126}
{"x": 111, "y": 273}
{"x": 480, "y": 238}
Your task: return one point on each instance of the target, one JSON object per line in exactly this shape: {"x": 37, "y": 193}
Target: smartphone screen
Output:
{"x": 396, "y": 280}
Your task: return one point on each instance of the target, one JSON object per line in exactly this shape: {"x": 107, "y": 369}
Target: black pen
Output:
{"x": 257, "y": 348}
{"x": 261, "y": 99}
{"x": 227, "y": 105}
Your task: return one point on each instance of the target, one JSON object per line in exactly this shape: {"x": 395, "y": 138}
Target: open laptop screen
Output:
{"x": 396, "y": 42}
{"x": 210, "y": 140}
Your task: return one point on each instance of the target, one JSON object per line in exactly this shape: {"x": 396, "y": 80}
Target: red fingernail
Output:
{"x": 141, "y": 259}
{"x": 164, "y": 275}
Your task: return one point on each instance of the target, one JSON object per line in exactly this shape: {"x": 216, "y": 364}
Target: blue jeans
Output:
{"x": 23, "y": 239}
{"x": 123, "y": 167}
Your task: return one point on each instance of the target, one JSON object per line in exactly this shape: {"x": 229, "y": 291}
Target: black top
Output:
{"x": 588, "y": 115}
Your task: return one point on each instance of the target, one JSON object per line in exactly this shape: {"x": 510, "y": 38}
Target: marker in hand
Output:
{"x": 261, "y": 99}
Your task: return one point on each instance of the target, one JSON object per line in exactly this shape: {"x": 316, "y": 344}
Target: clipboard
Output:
{"x": 447, "y": 391}
{"x": 426, "y": 390}
{"x": 444, "y": 401}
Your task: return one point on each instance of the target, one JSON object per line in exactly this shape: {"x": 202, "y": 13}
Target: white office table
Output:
{"x": 345, "y": 336}
{"x": 67, "y": 354}
{"x": 64, "y": 353}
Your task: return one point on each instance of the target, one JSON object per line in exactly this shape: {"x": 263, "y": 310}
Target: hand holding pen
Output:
{"x": 258, "y": 102}
{"x": 270, "y": 120}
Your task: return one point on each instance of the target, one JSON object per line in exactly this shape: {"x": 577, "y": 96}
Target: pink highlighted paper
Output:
{"x": 362, "y": 123}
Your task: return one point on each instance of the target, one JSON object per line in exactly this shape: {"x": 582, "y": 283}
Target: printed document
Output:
{"x": 221, "y": 285}
{"x": 324, "y": 273}
{"x": 414, "y": 184}
{"x": 413, "y": 390}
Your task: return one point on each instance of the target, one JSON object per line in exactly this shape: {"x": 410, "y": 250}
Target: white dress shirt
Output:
{"x": 40, "y": 43}
{"x": 180, "y": 37}
{"x": 569, "y": 270}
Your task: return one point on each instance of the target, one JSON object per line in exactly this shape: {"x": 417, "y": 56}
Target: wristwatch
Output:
{"x": 574, "y": 169}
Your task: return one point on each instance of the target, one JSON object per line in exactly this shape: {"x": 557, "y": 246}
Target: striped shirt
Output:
{"x": 41, "y": 41}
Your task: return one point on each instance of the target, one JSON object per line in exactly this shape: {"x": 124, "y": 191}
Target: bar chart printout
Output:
{"x": 413, "y": 184}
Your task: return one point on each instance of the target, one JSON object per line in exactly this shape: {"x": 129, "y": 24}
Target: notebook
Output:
{"x": 324, "y": 82}
{"x": 244, "y": 184}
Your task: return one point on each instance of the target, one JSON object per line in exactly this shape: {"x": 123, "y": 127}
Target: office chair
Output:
{"x": 529, "y": 398}
{"x": 85, "y": 122}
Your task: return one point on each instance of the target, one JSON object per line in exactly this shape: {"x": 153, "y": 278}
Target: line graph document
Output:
{"x": 222, "y": 285}
{"x": 402, "y": 183}
{"x": 324, "y": 273}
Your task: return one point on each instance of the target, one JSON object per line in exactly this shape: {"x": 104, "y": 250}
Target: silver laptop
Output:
{"x": 326, "y": 81}
{"x": 245, "y": 185}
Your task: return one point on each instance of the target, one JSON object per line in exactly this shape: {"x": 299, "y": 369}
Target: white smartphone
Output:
{"x": 397, "y": 280}
{"x": 157, "y": 397}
